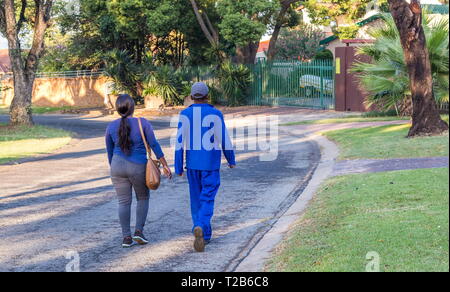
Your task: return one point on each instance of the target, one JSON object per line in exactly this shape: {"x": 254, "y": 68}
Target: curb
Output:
{"x": 262, "y": 252}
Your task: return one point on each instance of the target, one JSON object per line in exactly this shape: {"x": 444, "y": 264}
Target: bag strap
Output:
{"x": 141, "y": 129}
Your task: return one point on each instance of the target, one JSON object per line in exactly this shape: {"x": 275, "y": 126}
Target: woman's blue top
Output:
{"x": 138, "y": 153}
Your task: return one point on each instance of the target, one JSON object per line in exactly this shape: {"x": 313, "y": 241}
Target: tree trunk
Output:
{"x": 210, "y": 35}
{"x": 278, "y": 26}
{"x": 24, "y": 70}
{"x": 20, "y": 109}
{"x": 426, "y": 118}
{"x": 247, "y": 54}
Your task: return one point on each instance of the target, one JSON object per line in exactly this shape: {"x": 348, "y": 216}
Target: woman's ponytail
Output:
{"x": 125, "y": 107}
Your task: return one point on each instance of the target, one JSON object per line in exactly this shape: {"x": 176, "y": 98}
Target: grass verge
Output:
{"x": 22, "y": 141}
{"x": 40, "y": 110}
{"x": 387, "y": 142}
{"x": 354, "y": 119}
{"x": 403, "y": 216}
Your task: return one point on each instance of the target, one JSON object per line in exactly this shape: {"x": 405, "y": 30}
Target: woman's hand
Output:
{"x": 166, "y": 168}
{"x": 167, "y": 172}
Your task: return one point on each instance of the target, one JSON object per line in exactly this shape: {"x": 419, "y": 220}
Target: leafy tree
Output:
{"x": 286, "y": 17}
{"x": 301, "y": 43}
{"x": 166, "y": 29}
{"x": 347, "y": 32}
{"x": 341, "y": 14}
{"x": 14, "y": 18}
{"x": 244, "y": 23}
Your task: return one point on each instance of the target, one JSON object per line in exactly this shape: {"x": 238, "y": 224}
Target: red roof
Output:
{"x": 5, "y": 62}
{"x": 263, "y": 46}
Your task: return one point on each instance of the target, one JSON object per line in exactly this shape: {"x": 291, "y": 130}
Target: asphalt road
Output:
{"x": 58, "y": 206}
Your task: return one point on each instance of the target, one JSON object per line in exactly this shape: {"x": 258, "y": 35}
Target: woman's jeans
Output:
{"x": 126, "y": 176}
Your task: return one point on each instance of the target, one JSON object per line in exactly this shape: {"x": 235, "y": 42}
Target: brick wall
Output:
{"x": 56, "y": 92}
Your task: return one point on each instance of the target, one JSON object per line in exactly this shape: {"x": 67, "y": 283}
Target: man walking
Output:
{"x": 202, "y": 136}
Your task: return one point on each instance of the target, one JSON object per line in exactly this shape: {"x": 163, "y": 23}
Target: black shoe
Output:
{"x": 199, "y": 243}
{"x": 127, "y": 242}
{"x": 140, "y": 238}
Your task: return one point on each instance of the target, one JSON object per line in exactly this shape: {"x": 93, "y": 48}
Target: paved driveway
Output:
{"x": 61, "y": 204}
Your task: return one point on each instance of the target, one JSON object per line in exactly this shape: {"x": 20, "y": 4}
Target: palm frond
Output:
{"x": 386, "y": 77}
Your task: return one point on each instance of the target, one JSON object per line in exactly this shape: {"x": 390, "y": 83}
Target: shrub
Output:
{"x": 164, "y": 82}
{"x": 386, "y": 77}
{"x": 234, "y": 82}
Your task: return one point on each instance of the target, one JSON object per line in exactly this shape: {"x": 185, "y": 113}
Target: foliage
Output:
{"x": 164, "y": 82}
{"x": 301, "y": 43}
{"x": 386, "y": 77}
{"x": 123, "y": 70}
{"x": 327, "y": 12}
{"x": 234, "y": 82}
{"x": 246, "y": 20}
{"x": 342, "y": 15}
{"x": 167, "y": 29}
{"x": 324, "y": 55}
{"x": 347, "y": 32}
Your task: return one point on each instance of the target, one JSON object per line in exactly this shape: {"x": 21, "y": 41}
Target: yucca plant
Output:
{"x": 121, "y": 68}
{"x": 234, "y": 82}
{"x": 386, "y": 77}
{"x": 164, "y": 82}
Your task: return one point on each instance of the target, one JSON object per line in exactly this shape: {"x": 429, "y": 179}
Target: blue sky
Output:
{"x": 3, "y": 43}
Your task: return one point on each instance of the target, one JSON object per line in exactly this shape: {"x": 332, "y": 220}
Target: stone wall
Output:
{"x": 57, "y": 92}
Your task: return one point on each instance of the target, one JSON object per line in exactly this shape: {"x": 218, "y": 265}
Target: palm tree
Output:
{"x": 386, "y": 77}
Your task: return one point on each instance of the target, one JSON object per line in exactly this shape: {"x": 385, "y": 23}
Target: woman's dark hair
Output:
{"x": 125, "y": 108}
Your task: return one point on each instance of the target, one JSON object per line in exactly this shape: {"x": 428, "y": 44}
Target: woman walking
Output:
{"x": 128, "y": 157}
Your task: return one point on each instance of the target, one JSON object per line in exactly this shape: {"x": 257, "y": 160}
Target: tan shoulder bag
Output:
{"x": 152, "y": 173}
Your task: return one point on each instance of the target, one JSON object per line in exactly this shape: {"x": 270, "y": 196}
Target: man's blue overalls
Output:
{"x": 203, "y": 136}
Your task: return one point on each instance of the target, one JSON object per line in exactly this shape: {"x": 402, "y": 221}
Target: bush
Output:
{"x": 234, "y": 82}
{"x": 299, "y": 44}
{"x": 377, "y": 114}
{"x": 166, "y": 83}
{"x": 386, "y": 77}
{"x": 120, "y": 67}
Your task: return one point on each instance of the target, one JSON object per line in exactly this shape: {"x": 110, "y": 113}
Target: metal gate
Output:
{"x": 302, "y": 84}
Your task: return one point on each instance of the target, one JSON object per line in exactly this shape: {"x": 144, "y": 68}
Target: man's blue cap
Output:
{"x": 199, "y": 90}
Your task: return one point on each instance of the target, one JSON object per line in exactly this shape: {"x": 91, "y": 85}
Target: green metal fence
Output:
{"x": 303, "y": 84}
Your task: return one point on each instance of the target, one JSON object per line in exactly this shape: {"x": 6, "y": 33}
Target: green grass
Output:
{"x": 387, "y": 142}
{"x": 349, "y": 119}
{"x": 403, "y": 216}
{"x": 22, "y": 141}
{"x": 354, "y": 119}
{"x": 39, "y": 110}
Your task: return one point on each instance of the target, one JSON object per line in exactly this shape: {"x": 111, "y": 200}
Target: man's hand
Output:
{"x": 181, "y": 174}
{"x": 232, "y": 166}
